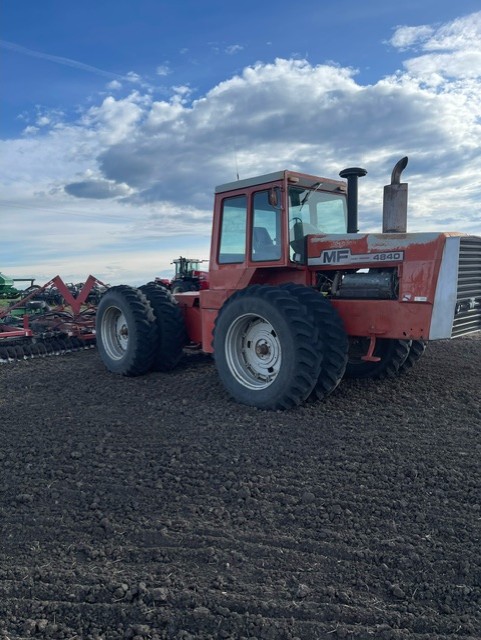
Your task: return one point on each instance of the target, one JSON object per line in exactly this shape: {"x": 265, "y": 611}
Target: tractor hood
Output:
{"x": 439, "y": 271}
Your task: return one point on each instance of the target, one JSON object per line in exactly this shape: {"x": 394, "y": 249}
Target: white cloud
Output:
{"x": 233, "y": 48}
{"x": 43, "y": 121}
{"x": 451, "y": 50}
{"x": 29, "y": 130}
{"x": 163, "y": 69}
{"x": 182, "y": 90}
{"x": 130, "y": 183}
{"x": 114, "y": 85}
{"x": 457, "y": 35}
{"x": 115, "y": 119}
{"x": 405, "y": 37}
{"x": 133, "y": 77}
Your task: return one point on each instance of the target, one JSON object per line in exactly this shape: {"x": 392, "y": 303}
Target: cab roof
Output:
{"x": 302, "y": 179}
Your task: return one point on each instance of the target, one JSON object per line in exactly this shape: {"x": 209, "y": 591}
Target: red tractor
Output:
{"x": 188, "y": 276}
{"x": 298, "y": 298}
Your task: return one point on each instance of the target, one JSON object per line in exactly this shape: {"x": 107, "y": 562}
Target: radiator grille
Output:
{"x": 467, "y": 318}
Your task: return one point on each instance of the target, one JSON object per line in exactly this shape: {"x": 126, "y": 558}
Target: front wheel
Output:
{"x": 126, "y": 332}
{"x": 392, "y": 354}
{"x": 263, "y": 348}
{"x": 416, "y": 350}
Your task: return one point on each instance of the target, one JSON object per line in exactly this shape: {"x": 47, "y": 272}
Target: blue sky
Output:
{"x": 119, "y": 118}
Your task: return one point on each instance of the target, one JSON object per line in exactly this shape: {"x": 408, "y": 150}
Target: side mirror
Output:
{"x": 273, "y": 198}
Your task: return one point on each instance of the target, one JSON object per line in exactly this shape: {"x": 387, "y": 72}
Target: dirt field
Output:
{"x": 156, "y": 507}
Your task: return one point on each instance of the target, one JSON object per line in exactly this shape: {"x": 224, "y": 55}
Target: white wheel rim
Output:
{"x": 115, "y": 333}
{"x": 253, "y": 351}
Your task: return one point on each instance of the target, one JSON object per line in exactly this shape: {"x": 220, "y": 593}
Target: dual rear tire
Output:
{"x": 139, "y": 330}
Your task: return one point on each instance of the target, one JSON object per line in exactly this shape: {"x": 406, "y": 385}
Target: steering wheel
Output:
{"x": 305, "y": 228}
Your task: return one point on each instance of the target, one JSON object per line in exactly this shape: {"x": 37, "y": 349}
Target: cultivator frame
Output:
{"x": 49, "y": 330}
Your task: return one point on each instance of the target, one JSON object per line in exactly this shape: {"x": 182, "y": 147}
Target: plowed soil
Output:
{"x": 156, "y": 507}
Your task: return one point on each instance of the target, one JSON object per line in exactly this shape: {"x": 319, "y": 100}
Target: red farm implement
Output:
{"x": 52, "y": 319}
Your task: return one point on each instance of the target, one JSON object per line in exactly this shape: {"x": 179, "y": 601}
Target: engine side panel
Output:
{"x": 426, "y": 267}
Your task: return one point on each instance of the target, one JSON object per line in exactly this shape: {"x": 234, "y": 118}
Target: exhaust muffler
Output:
{"x": 395, "y": 203}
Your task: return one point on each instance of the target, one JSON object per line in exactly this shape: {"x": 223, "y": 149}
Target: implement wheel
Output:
{"x": 265, "y": 348}
{"x": 171, "y": 333}
{"x": 331, "y": 333}
{"x": 393, "y": 354}
{"x": 126, "y": 332}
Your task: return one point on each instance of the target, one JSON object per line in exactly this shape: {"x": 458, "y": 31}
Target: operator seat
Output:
{"x": 263, "y": 246}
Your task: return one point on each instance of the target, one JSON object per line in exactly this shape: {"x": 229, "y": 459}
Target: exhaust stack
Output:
{"x": 352, "y": 174}
{"x": 395, "y": 203}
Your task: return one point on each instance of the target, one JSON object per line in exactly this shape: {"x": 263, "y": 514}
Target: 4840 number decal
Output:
{"x": 345, "y": 257}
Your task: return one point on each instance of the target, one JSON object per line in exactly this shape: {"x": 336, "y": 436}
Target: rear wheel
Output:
{"x": 126, "y": 332}
{"x": 416, "y": 350}
{"x": 171, "y": 334}
{"x": 392, "y": 354}
{"x": 332, "y": 335}
{"x": 264, "y": 349}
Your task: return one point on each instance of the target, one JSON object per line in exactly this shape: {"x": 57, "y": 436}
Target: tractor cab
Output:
{"x": 264, "y": 221}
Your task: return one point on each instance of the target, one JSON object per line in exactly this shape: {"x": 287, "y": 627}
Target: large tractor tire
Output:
{"x": 332, "y": 335}
{"x": 171, "y": 332}
{"x": 182, "y": 286}
{"x": 126, "y": 331}
{"x": 416, "y": 350}
{"x": 392, "y": 354}
{"x": 264, "y": 349}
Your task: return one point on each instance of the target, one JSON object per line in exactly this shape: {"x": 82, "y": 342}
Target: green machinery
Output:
{"x": 7, "y": 286}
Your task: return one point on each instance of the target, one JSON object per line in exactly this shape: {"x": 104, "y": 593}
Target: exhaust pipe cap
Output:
{"x": 352, "y": 174}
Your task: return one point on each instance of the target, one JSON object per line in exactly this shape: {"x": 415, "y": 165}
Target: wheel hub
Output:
{"x": 262, "y": 348}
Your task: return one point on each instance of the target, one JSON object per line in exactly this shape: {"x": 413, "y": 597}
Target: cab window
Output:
{"x": 232, "y": 247}
{"x": 311, "y": 212}
{"x": 266, "y": 229}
